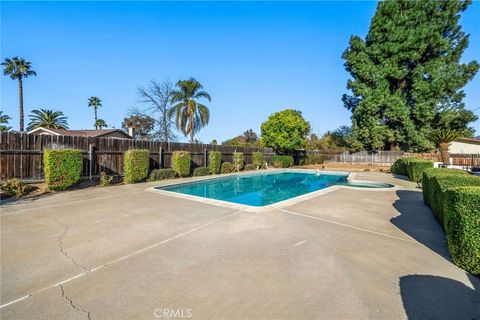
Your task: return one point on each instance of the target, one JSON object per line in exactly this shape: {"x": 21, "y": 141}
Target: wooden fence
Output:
{"x": 21, "y": 154}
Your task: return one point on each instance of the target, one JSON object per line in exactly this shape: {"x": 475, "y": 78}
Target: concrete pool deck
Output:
{"x": 125, "y": 253}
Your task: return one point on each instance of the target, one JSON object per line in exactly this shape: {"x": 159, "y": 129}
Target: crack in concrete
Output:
{"x": 60, "y": 245}
{"x": 77, "y": 308}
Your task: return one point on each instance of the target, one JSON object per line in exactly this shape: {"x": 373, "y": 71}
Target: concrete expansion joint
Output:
{"x": 60, "y": 244}
{"x": 70, "y": 301}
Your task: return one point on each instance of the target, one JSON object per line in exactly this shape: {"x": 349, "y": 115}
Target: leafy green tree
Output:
{"x": 4, "y": 122}
{"x": 442, "y": 138}
{"x": 95, "y": 103}
{"x": 190, "y": 115}
{"x": 47, "y": 118}
{"x": 250, "y": 136}
{"x": 214, "y": 142}
{"x": 18, "y": 69}
{"x": 143, "y": 125}
{"x": 285, "y": 131}
{"x": 100, "y": 123}
{"x": 407, "y": 78}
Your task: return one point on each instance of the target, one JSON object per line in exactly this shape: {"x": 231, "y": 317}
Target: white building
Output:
{"x": 465, "y": 146}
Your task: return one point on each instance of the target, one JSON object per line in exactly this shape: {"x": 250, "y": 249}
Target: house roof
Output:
{"x": 80, "y": 133}
{"x": 475, "y": 140}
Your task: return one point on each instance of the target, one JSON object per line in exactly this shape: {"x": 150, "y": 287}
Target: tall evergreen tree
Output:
{"x": 407, "y": 78}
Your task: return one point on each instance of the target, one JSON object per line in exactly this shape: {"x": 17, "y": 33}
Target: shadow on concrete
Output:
{"x": 433, "y": 297}
{"x": 417, "y": 221}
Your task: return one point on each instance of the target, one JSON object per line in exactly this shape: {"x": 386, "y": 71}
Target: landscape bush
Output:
{"x": 462, "y": 226}
{"x": 227, "y": 167}
{"x": 416, "y": 167}
{"x": 105, "y": 179}
{"x": 62, "y": 168}
{"x": 315, "y": 159}
{"x": 440, "y": 184}
{"x": 215, "y": 161}
{"x": 250, "y": 167}
{"x": 401, "y": 166}
{"x": 282, "y": 161}
{"x": 427, "y": 180}
{"x": 15, "y": 188}
{"x": 257, "y": 160}
{"x": 135, "y": 165}
{"x": 238, "y": 160}
{"x": 201, "y": 171}
{"x": 181, "y": 163}
{"x": 162, "y": 174}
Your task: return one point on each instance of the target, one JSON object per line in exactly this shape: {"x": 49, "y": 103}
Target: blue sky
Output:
{"x": 253, "y": 58}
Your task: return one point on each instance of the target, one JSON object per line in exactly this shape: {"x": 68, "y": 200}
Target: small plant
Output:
{"x": 282, "y": 161}
{"x": 15, "y": 188}
{"x": 250, "y": 167}
{"x": 227, "y": 167}
{"x": 181, "y": 163}
{"x": 201, "y": 171}
{"x": 162, "y": 174}
{"x": 135, "y": 166}
{"x": 238, "y": 160}
{"x": 315, "y": 159}
{"x": 105, "y": 179}
{"x": 257, "y": 160}
{"x": 214, "y": 161}
{"x": 62, "y": 168}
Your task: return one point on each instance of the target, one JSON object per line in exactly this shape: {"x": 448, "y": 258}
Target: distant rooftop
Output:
{"x": 82, "y": 133}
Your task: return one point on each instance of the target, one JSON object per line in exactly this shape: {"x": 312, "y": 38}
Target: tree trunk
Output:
{"x": 96, "y": 127}
{"x": 20, "y": 93}
{"x": 444, "y": 155}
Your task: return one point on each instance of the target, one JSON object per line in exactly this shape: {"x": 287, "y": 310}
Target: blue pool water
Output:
{"x": 263, "y": 189}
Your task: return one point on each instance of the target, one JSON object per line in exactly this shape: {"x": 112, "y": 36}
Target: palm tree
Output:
{"x": 190, "y": 115}
{"x": 17, "y": 69}
{"x": 100, "y": 123}
{"x": 47, "y": 119}
{"x": 4, "y": 121}
{"x": 95, "y": 103}
{"x": 442, "y": 138}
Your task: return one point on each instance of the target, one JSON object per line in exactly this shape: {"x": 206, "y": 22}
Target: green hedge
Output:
{"x": 62, "y": 168}
{"x": 462, "y": 226}
{"x": 257, "y": 160}
{"x": 162, "y": 174}
{"x": 427, "y": 181}
{"x": 201, "y": 171}
{"x": 227, "y": 167}
{"x": 416, "y": 167}
{"x": 135, "y": 165}
{"x": 250, "y": 167}
{"x": 238, "y": 161}
{"x": 401, "y": 166}
{"x": 439, "y": 186}
{"x": 181, "y": 163}
{"x": 315, "y": 159}
{"x": 282, "y": 161}
{"x": 215, "y": 161}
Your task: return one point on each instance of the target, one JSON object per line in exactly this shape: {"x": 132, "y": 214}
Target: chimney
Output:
{"x": 131, "y": 132}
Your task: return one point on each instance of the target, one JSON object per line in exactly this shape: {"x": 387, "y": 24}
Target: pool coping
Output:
{"x": 270, "y": 207}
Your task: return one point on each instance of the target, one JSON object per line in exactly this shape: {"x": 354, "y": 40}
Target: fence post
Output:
{"x": 160, "y": 158}
{"x": 205, "y": 158}
{"x": 90, "y": 160}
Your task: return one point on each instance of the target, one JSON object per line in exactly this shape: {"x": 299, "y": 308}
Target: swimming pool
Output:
{"x": 262, "y": 189}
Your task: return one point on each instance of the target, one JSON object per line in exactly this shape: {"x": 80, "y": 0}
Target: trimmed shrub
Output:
{"x": 162, "y": 174}
{"x": 201, "y": 171}
{"x": 439, "y": 186}
{"x": 215, "y": 161}
{"x": 135, "y": 165}
{"x": 315, "y": 159}
{"x": 105, "y": 179}
{"x": 15, "y": 188}
{"x": 227, "y": 167}
{"x": 181, "y": 163}
{"x": 282, "y": 161}
{"x": 462, "y": 226}
{"x": 250, "y": 167}
{"x": 416, "y": 167}
{"x": 238, "y": 160}
{"x": 257, "y": 160}
{"x": 401, "y": 166}
{"x": 62, "y": 168}
{"x": 427, "y": 180}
